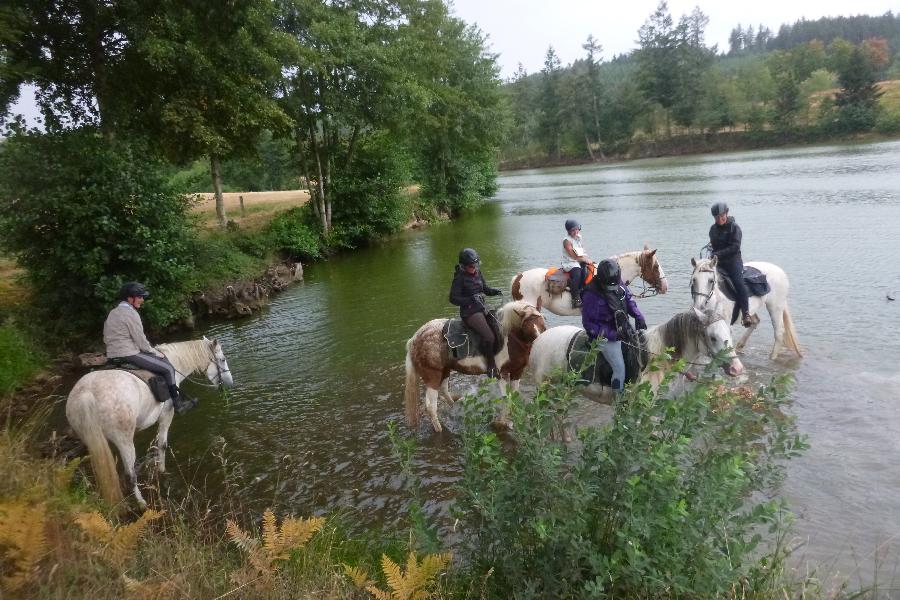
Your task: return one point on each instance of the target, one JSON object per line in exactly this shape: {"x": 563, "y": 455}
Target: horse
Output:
{"x": 428, "y": 357}
{"x": 110, "y": 405}
{"x": 705, "y": 292}
{"x": 531, "y": 285}
{"x": 694, "y": 334}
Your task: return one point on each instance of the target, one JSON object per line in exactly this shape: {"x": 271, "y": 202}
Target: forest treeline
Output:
{"x": 812, "y": 79}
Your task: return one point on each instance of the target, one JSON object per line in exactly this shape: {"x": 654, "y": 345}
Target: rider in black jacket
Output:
{"x": 467, "y": 292}
{"x": 725, "y": 241}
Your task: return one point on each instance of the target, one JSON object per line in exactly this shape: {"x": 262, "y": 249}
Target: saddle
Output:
{"x": 634, "y": 350}
{"x": 754, "y": 279}
{"x": 156, "y": 383}
{"x": 557, "y": 280}
{"x": 464, "y": 342}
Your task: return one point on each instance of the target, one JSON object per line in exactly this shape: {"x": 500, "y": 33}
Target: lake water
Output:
{"x": 320, "y": 374}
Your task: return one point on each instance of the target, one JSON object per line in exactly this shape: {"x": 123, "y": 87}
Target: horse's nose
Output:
{"x": 734, "y": 368}
{"x": 664, "y": 286}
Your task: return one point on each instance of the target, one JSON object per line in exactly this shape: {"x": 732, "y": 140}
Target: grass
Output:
{"x": 259, "y": 207}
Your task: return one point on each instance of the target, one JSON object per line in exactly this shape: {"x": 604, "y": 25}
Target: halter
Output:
{"x": 706, "y": 297}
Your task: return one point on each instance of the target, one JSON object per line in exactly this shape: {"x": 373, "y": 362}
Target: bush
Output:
{"x": 459, "y": 183}
{"x": 83, "y": 214}
{"x": 663, "y": 502}
{"x": 19, "y": 359}
{"x": 291, "y": 232}
{"x": 888, "y": 122}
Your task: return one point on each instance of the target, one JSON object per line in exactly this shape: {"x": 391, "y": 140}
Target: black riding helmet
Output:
{"x": 133, "y": 289}
{"x": 608, "y": 273}
{"x": 572, "y": 224}
{"x": 468, "y": 256}
{"x": 719, "y": 208}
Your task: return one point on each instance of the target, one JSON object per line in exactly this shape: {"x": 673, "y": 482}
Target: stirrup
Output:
{"x": 747, "y": 321}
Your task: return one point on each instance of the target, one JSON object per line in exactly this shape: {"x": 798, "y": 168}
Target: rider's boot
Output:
{"x": 181, "y": 403}
{"x": 747, "y": 321}
{"x": 576, "y": 299}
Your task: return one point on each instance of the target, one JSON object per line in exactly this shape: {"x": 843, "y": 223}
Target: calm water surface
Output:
{"x": 320, "y": 374}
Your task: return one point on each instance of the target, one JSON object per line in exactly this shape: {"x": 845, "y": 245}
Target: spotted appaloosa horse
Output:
{"x": 113, "y": 404}
{"x": 428, "y": 357}
{"x": 531, "y": 286}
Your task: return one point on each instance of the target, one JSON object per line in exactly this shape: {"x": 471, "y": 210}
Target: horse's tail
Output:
{"x": 517, "y": 287}
{"x": 411, "y": 393}
{"x": 790, "y": 334}
{"x": 82, "y": 414}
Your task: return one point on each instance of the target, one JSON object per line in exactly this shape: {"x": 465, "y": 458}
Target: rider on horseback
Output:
{"x": 725, "y": 241}
{"x": 574, "y": 260}
{"x": 467, "y": 292}
{"x": 607, "y": 304}
{"x": 123, "y": 334}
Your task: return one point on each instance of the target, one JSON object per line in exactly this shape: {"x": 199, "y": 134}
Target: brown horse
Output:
{"x": 428, "y": 357}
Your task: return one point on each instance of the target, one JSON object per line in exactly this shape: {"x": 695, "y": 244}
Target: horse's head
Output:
{"x": 217, "y": 372}
{"x": 704, "y": 281}
{"x": 651, "y": 271}
{"x": 522, "y": 318}
{"x": 718, "y": 341}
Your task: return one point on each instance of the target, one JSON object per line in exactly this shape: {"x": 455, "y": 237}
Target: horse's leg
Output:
{"x": 431, "y": 403}
{"x": 445, "y": 390}
{"x": 126, "y": 451}
{"x": 754, "y": 319}
{"x": 162, "y": 437}
{"x": 776, "y": 313}
{"x": 502, "y": 420}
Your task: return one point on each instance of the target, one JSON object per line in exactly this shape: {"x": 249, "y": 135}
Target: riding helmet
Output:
{"x": 608, "y": 273}
{"x": 572, "y": 224}
{"x": 719, "y": 208}
{"x": 133, "y": 289}
{"x": 468, "y": 256}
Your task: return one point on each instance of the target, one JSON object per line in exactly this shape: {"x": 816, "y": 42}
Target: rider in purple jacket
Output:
{"x": 604, "y": 314}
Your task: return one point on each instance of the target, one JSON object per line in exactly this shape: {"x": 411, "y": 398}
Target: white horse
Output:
{"x": 531, "y": 285}
{"x": 110, "y": 405}
{"x": 706, "y": 293}
{"x": 428, "y": 357}
{"x": 697, "y": 336}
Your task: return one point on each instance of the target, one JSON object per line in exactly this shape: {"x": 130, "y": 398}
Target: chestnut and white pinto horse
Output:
{"x": 706, "y": 293}
{"x": 697, "y": 337}
{"x": 531, "y": 286}
{"x": 110, "y": 405}
{"x": 428, "y": 357}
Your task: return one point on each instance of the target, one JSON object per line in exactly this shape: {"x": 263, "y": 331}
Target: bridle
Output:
{"x": 219, "y": 373}
{"x": 712, "y": 289}
{"x": 650, "y": 278}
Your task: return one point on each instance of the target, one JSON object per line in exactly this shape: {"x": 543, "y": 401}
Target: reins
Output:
{"x": 189, "y": 376}
{"x": 648, "y": 289}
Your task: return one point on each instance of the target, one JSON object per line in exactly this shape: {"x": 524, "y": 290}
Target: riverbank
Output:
{"x": 696, "y": 144}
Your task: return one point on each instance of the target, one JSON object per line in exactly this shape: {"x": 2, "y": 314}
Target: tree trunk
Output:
{"x": 215, "y": 169}
{"x": 587, "y": 143}
{"x": 320, "y": 180}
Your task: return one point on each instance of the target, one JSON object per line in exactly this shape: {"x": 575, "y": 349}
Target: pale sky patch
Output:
{"x": 521, "y": 30}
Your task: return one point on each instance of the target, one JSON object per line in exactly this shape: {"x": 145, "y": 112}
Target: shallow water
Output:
{"x": 320, "y": 374}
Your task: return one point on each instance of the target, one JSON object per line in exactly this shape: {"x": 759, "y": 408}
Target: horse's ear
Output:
{"x": 693, "y": 262}
{"x": 653, "y": 252}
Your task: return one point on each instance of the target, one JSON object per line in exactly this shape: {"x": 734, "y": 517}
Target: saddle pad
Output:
{"x": 754, "y": 279}
{"x": 463, "y": 342}
{"x": 156, "y": 383}
{"x": 600, "y": 372}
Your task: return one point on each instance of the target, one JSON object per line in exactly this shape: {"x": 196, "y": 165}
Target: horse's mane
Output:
{"x": 509, "y": 316}
{"x": 187, "y": 356}
{"x": 678, "y": 332}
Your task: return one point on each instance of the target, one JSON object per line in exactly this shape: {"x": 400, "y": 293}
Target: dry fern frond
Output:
{"x": 117, "y": 543}
{"x": 22, "y": 533}
{"x": 414, "y": 583}
{"x": 271, "y": 541}
{"x": 359, "y": 577}
{"x": 61, "y": 476}
{"x": 145, "y": 590}
{"x": 295, "y": 533}
{"x": 240, "y": 537}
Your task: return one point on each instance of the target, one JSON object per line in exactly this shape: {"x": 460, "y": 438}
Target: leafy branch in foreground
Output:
{"x": 675, "y": 496}
{"x": 115, "y": 543}
{"x": 411, "y": 585}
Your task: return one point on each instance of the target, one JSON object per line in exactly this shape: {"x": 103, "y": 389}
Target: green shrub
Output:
{"x": 668, "y": 500}
{"x": 19, "y": 358}
{"x": 293, "y": 233}
{"x": 82, "y": 214}
{"x": 888, "y": 122}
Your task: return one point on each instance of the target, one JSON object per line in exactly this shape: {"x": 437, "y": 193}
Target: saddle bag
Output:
{"x": 159, "y": 388}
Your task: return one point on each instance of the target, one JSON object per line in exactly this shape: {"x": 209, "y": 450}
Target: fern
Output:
{"x": 145, "y": 590}
{"x": 116, "y": 543}
{"x": 359, "y": 577}
{"x": 413, "y": 585}
{"x": 276, "y": 545}
{"x": 22, "y": 533}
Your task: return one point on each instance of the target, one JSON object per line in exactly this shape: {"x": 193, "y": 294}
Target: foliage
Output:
{"x": 23, "y": 539}
{"x": 857, "y": 101}
{"x": 291, "y": 232}
{"x": 667, "y": 500}
{"x": 412, "y": 585}
{"x": 276, "y": 545}
{"x": 19, "y": 357}
{"x": 102, "y": 214}
{"x": 116, "y": 543}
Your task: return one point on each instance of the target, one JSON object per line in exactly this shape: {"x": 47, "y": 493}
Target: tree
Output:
{"x": 593, "y": 90}
{"x": 550, "y": 123}
{"x": 857, "y": 101}
{"x": 658, "y": 59}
